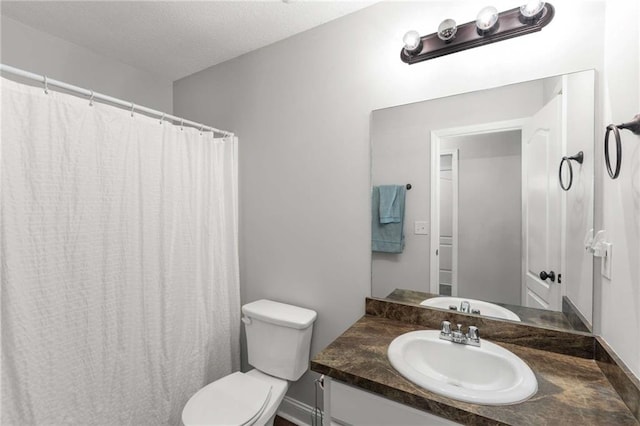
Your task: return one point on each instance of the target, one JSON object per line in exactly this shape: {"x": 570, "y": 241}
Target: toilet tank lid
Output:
{"x": 280, "y": 313}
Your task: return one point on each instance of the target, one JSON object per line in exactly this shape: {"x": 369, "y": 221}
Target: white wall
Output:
{"x": 620, "y": 296}
{"x": 301, "y": 108}
{"x": 578, "y": 106}
{"x": 33, "y": 50}
{"x": 489, "y": 215}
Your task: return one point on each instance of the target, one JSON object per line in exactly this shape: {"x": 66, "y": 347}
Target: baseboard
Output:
{"x": 297, "y": 412}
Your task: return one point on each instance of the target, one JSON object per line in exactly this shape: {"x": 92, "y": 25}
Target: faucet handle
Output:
{"x": 473, "y": 333}
{"x": 445, "y": 327}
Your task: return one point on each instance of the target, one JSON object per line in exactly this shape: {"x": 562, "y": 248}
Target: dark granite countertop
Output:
{"x": 571, "y": 390}
{"x": 527, "y": 315}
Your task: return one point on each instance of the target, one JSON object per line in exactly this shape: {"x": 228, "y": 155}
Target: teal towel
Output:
{"x": 386, "y": 237}
{"x": 391, "y": 198}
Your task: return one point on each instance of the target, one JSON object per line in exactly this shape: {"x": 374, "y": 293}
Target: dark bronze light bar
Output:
{"x": 510, "y": 23}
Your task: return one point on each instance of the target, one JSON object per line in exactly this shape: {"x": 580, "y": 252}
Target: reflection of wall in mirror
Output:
{"x": 489, "y": 215}
{"x": 578, "y": 97}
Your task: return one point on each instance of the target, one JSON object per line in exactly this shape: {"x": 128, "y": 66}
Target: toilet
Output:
{"x": 278, "y": 344}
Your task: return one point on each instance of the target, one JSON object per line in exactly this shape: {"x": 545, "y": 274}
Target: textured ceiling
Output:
{"x": 175, "y": 38}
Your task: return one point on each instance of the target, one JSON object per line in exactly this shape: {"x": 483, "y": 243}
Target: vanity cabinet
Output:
{"x": 347, "y": 405}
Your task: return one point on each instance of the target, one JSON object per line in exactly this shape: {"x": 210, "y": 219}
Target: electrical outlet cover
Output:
{"x": 420, "y": 227}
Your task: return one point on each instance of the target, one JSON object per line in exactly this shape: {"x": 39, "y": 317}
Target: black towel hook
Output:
{"x": 579, "y": 158}
{"x": 408, "y": 186}
{"x": 634, "y": 126}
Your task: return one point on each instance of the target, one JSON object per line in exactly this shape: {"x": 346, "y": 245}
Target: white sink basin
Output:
{"x": 488, "y": 374}
{"x": 486, "y": 308}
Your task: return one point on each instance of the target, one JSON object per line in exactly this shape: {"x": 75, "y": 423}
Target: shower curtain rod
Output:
{"x": 99, "y": 96}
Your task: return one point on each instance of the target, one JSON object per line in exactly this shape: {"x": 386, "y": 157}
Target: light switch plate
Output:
{"x": 605, "y": 266}
{"x": 420, "y": 227}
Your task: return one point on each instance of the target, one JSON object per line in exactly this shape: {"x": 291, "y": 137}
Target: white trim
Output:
{"x": 481, "y": 128}
{"x": 436, "y": 137}
{"x": 563, "y": 194}
{"x": 524, "y": 253}
{"x": 454, "y": 252}
{"x": 434, "y": 260}
{"x": 326, "y": 395}
{"x": 297, "y": 412}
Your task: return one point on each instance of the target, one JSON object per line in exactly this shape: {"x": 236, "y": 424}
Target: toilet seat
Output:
{"x": 236, "y": 399}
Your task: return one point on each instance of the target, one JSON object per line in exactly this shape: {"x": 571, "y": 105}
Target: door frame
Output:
{"x": 436, "y": 139}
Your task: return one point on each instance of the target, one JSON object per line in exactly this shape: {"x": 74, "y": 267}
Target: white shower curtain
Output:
{"x": 120, "y": 293}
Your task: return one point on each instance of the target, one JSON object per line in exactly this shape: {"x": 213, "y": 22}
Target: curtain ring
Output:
{"x": 201, "y": 127}
{"x": 91, "y": 99}
{"x": 182, "y": 124}
{"x": 132, "y": 108}
{"x": 162, "y": 118}
{"x": 46, "y": 86}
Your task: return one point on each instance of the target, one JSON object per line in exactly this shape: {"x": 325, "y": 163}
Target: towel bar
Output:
{"x": 579, "y": 158}
{"x": 634, "y": 126}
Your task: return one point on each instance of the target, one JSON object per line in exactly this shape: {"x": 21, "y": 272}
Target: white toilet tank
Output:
{"x": 278, "y": 337}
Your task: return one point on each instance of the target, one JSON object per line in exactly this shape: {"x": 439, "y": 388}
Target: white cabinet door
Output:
{"x": 542, "y": 144}
{"x": 348, "y": 405}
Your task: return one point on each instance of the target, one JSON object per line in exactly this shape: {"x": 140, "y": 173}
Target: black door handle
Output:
{"x": 551, "y": 275}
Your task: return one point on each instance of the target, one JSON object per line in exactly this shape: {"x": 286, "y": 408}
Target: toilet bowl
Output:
{"x": 278, "y": 344}
{"x": 241, "y": 399}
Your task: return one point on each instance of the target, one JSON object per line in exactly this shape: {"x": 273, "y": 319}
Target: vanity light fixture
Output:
{"x": 489, "y": 27}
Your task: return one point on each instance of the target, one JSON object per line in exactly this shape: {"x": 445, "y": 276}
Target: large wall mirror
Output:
{"x": 492, "y": 223}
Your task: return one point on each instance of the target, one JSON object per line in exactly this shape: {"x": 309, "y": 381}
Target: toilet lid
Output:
{"x": 236, "y": 399}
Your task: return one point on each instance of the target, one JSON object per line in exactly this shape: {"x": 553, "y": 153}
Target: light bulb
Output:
{"x": 531, "y": 8}
{"x": 487, "y": 18}
{"x": 411, "y": 41}
{"x": 447, "y": 29}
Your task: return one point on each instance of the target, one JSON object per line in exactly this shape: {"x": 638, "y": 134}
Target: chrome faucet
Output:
{"x": 457, "y": 336}
{"x": 465, "y": 307}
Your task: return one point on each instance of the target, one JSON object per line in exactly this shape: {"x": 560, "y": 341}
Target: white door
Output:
{"x": 542, "y": 147}
{"x": 448, "y": 200}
